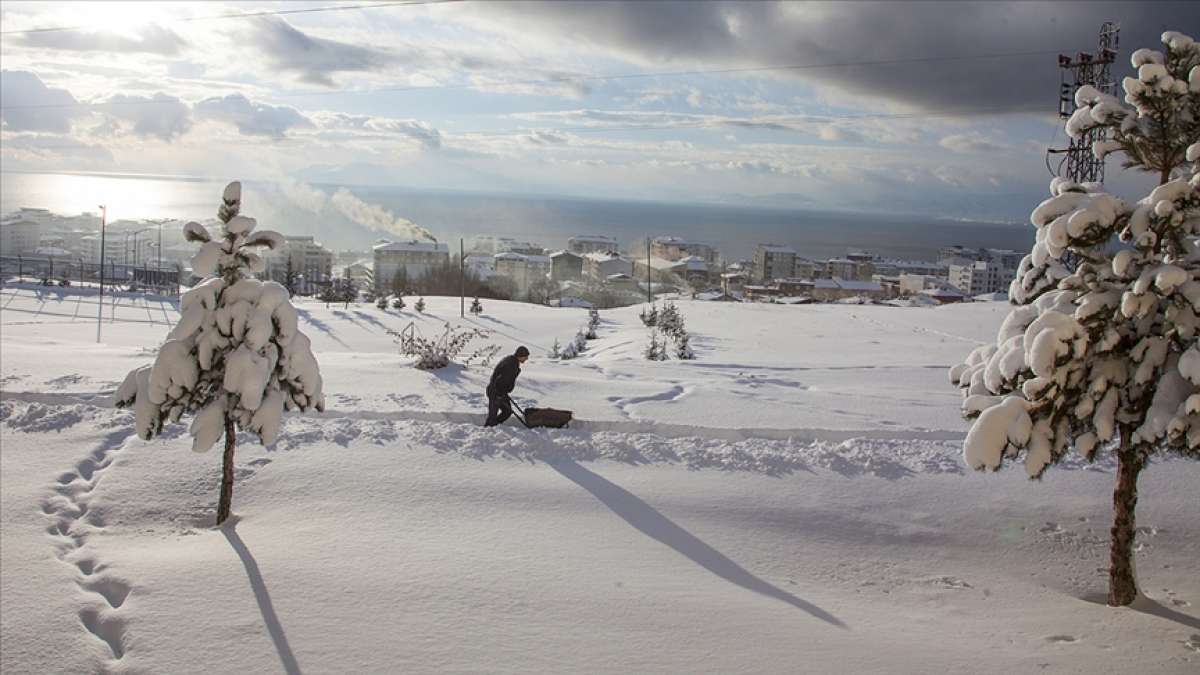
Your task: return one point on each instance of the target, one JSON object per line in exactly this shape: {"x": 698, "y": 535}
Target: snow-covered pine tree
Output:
{"x": 349, "y": 292}
{"x": 236, "y": 358}
{"x": 683, "y": 347}
{"x": 556, "y": 350}
{"x": 1105, "y": 358}
{"x": 669, "y": 319}
{"x": 329, "y": 293}
{"x": 649, "y": 317}
{"x": 580, "y": 341}
{"x": 382, "y": 302}
{"x": 398, "y": 303}
{"x": 476, "y": 306}
{"x": 420, "y": 306}
{"x": 656, "y": 350}
{"x": 593, "y": 323}
{"x": 569, "y": 352}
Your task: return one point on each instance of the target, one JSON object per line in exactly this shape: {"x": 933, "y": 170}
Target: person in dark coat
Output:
{"x": 504, "y": 378}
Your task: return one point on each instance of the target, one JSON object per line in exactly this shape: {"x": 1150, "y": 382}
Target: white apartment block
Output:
{"x": 524, "y": 270}
{"x": 416, "y": 258}
{"x": 981, "y": 277}
{"x": 20, "y": 237}
{"x": 310, "y": 262}
{"x": 677, "y": 248}
{"x": 591, "y": 243}
{"x": 774, "y": 262}
{"x": 600, "y": 266}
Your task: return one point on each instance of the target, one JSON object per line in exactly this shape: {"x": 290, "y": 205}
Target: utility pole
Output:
{"x": 462, "y": 280}
{"x": 1079, "y": 163}
{"x": 100, "y": 304}
{"x": 649, "y": 298}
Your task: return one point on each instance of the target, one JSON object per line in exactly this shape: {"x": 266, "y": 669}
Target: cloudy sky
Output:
{"x": 929, "y": 108}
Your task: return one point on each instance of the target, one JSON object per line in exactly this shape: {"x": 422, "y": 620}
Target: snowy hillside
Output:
{"x": 793, "y": 500}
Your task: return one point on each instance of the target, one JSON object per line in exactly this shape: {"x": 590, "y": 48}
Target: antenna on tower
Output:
{"x": 1078, "y": 164}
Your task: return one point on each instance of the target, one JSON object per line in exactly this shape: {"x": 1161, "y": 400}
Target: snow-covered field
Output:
{"x": 792, "y": 501}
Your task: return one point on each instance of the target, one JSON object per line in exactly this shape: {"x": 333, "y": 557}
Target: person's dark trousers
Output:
{"x": 499, "y": 409}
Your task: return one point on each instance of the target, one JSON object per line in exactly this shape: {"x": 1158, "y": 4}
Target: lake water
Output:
{"x": 735, "y": 230}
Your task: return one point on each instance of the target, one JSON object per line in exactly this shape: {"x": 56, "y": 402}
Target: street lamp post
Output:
{"x": 100, "y": 304}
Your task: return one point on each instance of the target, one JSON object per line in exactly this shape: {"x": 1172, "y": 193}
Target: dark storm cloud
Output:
{"x": 314, "y": 59}
{"x": 748, "y": 34}
{"x": 152, "y": 39}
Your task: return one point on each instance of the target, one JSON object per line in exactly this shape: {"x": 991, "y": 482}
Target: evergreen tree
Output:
{"x": 1105, "y": 357}
{"x": 593, "y": 323}
{"x": 569, "y": 352}
{"x": 398, "y": 303}
{"x": 382, "y": 302}
{"x": 580, "y": 341}
{"x": 683, "y": 347}
{"x": 656, "y": 350}
{"x": 236, "y": 359}
{"x": 476, "y": 306}
{"x": 650, "y": 317}
{"x": 555, "y": 351}
{"x": 329, "y": 293}
{"x": 420, "y": 306}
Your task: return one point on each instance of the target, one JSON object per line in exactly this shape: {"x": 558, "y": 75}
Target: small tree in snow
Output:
{"x": 420, "y": 306}
{"x": 669, "y": 320}
{"x": 555, "y": 351}
{"x": 1106, "y": 356}
{"x": 569, "y": 352}
{"x": 656, "y": 350}
{"x": 593, "y": 323}
{"x": 235, "y": 360}
{"x": 683, "y": 347}
{"x": 382, "y": 302}
{"x": 580, "y": 341}
{"x": 476, "y": 306}
{"x": 329, "y": 293}
{"x": 649, "y": 317}
{"x": 398, "y": 303}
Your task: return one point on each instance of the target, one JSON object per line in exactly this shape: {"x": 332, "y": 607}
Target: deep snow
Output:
{"x": 792, "y": 501}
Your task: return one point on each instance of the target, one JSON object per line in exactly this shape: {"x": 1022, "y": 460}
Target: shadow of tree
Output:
{"x": 286, "y": 657}
{"x": 321, "y": 326}
{"x": 653, "y": 524}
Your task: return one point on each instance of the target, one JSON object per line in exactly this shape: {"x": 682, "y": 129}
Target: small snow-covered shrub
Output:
{"x": 420, "y": 306}
{"x": 581, "y": 341}
{"x": 382, "y": 302}
{"x": 555, "y": 351}
{"x": 657, "y": 349}
{"x": 476, "y": 306}
{"x": 398, "y": 303}
{"x": 683, "y": 347}
{"x": 649, "y": 317}
{"x": 236, "y": 359}
{"x": 593, "y": 323}
{"x": 445, "y": 349}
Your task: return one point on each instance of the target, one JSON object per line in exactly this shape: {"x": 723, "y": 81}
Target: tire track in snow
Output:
{"x": 72, "y": 522}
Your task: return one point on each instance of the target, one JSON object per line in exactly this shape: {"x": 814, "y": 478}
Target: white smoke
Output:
{"x": 377, "y": 217}
{"x": 303, "y": 195}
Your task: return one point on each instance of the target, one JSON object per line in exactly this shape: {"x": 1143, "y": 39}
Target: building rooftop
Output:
{"x": 776, "y": 248}
{"x": 414, "y": 245}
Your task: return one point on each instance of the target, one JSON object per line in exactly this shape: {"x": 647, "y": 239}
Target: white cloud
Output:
{"x": 29, "y": 105}
{"x": 250, "y": 118}
{"x": 969, "y": 143}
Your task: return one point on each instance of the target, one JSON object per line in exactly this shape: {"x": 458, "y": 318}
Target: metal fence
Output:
{"x": 50, "y": 269}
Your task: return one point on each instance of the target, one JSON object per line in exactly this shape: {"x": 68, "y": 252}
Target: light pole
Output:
{"x": 100, "y": 304}
{"x": 135, "y": 248}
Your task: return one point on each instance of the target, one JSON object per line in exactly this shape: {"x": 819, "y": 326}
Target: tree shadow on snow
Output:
{"x": 286, "y": 657}
{"x": 653, "y": 524}
{"x": 320, "y": 325}
{"x": 1147, "y": 606}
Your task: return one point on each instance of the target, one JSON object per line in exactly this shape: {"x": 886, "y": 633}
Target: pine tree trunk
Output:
{"x": 226, "y": 499}
{"x": 1122, "y": 584}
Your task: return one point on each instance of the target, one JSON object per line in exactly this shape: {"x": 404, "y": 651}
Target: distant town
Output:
{"x": 591, "y": 271}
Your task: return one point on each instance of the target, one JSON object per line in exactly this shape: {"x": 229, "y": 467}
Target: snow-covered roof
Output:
{"x": 593, "y": 238}
{"x": 413, "y": 245}
{"x": 942, "y": 293}
{"x": 534, "y": 259}
{"x": 619, "y": 277}
{"x": 846, "y": 284}
{"x": 602, "y": 256}
{"x": 775, "y": 248}
{"x": 677, "y": 241}
{"x": 561, "y": 254}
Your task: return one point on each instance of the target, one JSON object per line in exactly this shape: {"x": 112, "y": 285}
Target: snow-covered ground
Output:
{"x": 792, "y": 501}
